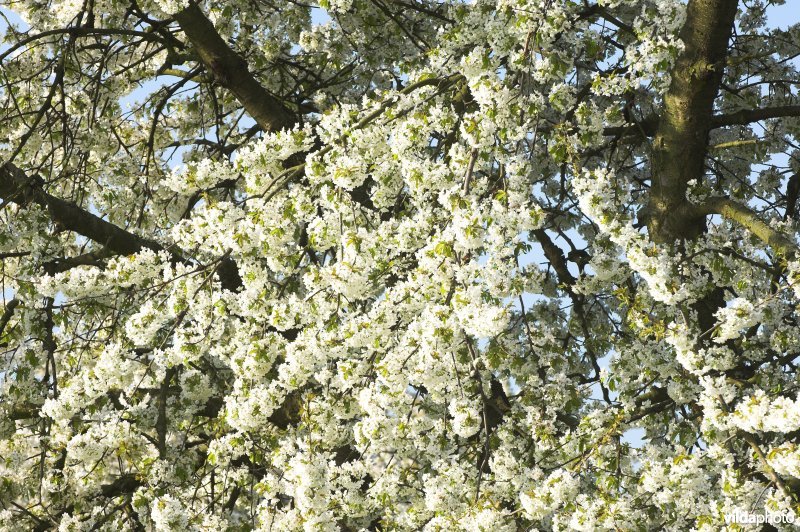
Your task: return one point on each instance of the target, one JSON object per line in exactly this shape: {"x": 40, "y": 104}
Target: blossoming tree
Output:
{"x": 397, "y": 264}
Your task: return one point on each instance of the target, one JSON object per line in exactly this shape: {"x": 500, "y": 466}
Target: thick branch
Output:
{"x": 747, "y": 116}
{"x": 7, "y": 314}
{"x": 649, "y": 126}
{"x": 17, "y": 187}
{"x": 555, "y": 256}
{"x": 93, "y": 258}
{"x": 122, "y": 485}
{"x": 681, "y": 140}
{"x": 230, "y": 70}
{"x": 750, "y": 220}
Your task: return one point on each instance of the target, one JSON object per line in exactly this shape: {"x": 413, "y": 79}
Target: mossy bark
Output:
{"x": 681, "y": 139}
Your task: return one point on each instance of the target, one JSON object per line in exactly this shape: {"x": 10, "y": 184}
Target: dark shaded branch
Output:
{"x": 646, "y": 127}
{"x": 681, "y": 140}
{"x": 78, "y": 32}
{"x": 19, "y": 188}
{"x": 13, "y": 254}
{"x": 230, "y": 70}
{"x": 792, "y": 191}
{"x": 122, "y": 485}
{"x": 7, "y": 314}
{"x": 747, "y": 116}
{"x": 555, "y": 257}
{"x": 649, "y": 126}
{"x": 23, "y": 411}
{"x": 94, "y": 258}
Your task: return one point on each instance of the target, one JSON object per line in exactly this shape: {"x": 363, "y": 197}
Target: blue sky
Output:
{"x": 785, "y": 15}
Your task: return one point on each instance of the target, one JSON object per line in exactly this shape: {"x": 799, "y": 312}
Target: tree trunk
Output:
{"x": 681, "y": 140}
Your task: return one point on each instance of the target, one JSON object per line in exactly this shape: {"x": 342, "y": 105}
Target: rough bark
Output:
{"x": 230, "y": 70}
{"x": 681, "y": 139}
{"x": 649, "y": 126}
{"x": 748, "y": 116}
{"x": 17, "y": 187}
